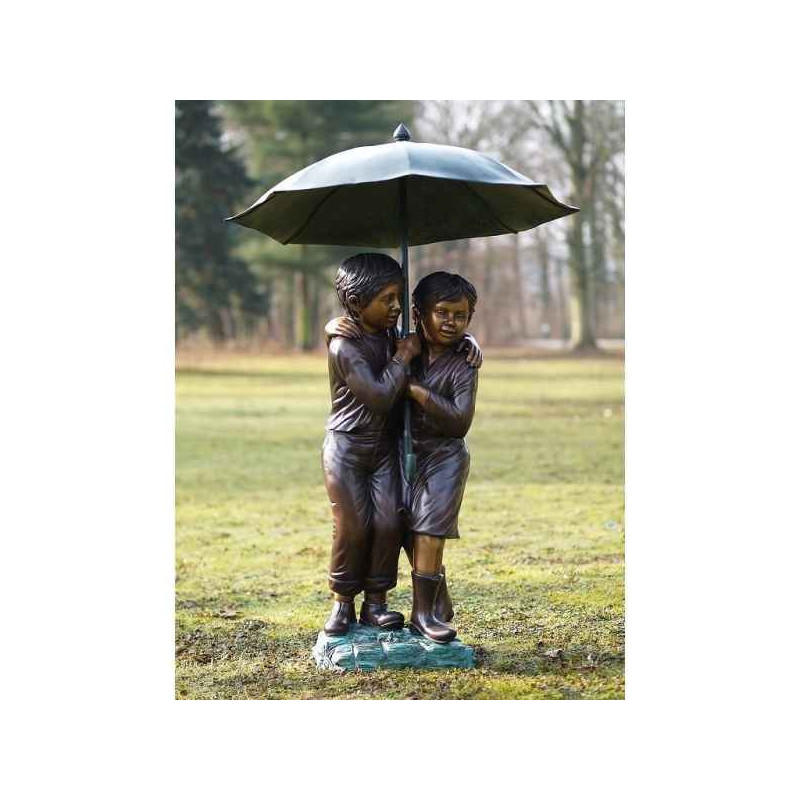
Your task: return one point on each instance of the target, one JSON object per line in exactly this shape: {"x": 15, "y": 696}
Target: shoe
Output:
{"x": 342, "y": 615}
{"x": 423, "y": 621}
{"x": 443, "y": 609}
{"x": 379, "y": 616}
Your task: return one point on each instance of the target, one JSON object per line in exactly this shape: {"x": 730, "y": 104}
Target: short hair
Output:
{"x": 362, "y": 276}
{"x": 443, "y": 286}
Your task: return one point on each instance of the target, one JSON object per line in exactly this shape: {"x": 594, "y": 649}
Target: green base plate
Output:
{"x": 364, "y": 648}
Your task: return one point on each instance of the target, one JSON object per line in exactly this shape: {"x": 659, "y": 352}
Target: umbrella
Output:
{"x": 401, "y": 194}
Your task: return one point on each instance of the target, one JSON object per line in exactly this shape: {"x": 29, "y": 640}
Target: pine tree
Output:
{"x": 214, "y": 288}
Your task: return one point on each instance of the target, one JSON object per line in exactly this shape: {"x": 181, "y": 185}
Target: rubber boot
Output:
{"x": 378, "y": 616}
{"x": 423, "y": 621}
{"x": 341, "y": 616}
{"x": 444, "y": 605}
{"x": 443, "y": 609}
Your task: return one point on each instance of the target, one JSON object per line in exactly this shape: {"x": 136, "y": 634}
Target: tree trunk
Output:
{"x": 478, "y": 326}
{"x": 581, "y": 266}
{"x": 487, "y": 290}
{"x": 544, "y": 271}
{"x": 316, "y": 317}
{"x": 565, "y": 330}
{"x": 306, "y": 337}
{"x": 216, "y": 327}
{"x": 464, "y": 264}
{"x": 228, "y": 325}
{"x": 597, "y": 267}
{"x": 519, "y": 283}
{"x": 584, "y": 287}
{"x": 291, "y": 308}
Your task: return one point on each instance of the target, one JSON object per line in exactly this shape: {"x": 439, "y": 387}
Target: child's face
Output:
{"x": 384, "y": 309}
{"x": 445, "y": 323}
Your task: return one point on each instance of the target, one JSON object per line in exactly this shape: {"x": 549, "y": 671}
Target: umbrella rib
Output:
{"x": 552, "y": 200}
{"x": 311, "y": 216}
{"x": 488, "y": 208}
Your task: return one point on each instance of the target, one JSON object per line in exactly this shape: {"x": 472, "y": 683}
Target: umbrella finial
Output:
{"x": 401, "y": 133}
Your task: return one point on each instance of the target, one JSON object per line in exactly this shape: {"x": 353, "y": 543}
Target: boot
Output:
{"x": 341, "y": 616}
{"x": 443, "y": 609}
{"x": 378, "y": 616}
{"x": 444, "y": 605}
{"x": 426, "y": 588}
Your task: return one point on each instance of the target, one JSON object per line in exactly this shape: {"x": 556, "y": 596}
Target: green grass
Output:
{"x": 537, "y": 576}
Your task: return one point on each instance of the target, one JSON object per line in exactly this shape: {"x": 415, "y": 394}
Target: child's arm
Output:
{"x": 453, "y": 417}
{"x": 377, "y": 393}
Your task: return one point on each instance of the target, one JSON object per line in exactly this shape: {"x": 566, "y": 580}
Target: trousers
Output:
{"x": 362, "y": 478}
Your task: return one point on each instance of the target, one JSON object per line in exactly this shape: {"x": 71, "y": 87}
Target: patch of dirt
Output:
{"x": 247, "y": 639}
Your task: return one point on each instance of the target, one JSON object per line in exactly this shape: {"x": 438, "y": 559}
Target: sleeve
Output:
{"x": 377, "y": 394}
{"x": 454, "y": 417}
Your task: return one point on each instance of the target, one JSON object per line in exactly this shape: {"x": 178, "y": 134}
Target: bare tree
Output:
{"x": 589, "y": 135}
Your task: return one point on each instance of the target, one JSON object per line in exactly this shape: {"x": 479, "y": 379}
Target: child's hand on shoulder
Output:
{"x": 469, "y": 346}
{"x": 342, "y": 326}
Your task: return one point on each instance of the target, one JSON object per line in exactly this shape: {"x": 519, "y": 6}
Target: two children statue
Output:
{"x": 372, "y": 371}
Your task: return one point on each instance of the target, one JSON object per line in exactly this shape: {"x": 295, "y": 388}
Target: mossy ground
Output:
{"x": 537, "y": 577}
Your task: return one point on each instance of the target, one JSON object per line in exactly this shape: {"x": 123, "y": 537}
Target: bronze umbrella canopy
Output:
{"x": 400, "y": 194}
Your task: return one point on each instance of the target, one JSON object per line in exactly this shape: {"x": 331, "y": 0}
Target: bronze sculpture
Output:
{"x": 444, "y": 388}
{"x": 394, "y": 195}
{"x": 443, "y": 405}
{"x": 367, "y": 375}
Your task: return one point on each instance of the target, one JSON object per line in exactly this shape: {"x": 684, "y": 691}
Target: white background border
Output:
{"x": 88, "y": 399}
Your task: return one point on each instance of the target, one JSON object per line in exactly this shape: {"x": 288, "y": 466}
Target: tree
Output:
{"x": 213, "y": 286}
{"x": 281, "y": 137}
{"x": 590, "y": 137}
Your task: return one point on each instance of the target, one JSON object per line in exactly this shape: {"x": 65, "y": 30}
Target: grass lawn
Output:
{"x": 537, "y": 577}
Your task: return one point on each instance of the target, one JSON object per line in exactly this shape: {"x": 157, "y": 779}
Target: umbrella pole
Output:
{"x": 409, "y": 459}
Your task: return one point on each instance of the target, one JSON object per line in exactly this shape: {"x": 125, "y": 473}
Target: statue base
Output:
{"x": 364, "y": 648}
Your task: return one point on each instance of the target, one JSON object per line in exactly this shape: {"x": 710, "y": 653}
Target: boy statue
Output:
{"x": 368, "y": 375}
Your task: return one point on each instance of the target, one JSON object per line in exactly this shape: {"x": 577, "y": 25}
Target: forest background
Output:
{"x": 559, "y": 286}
